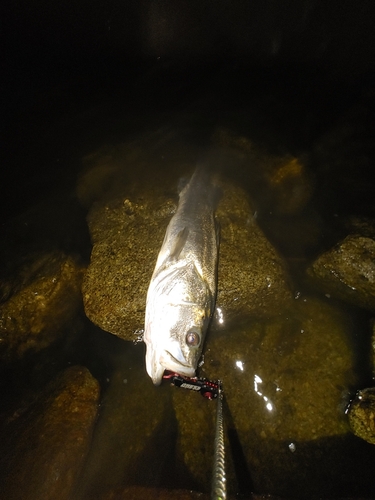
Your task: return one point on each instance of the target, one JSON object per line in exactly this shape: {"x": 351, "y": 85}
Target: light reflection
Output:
{"x": 240, "y": 365}
{"x": 220, "y": 315}
{"x": 292, "y": 447}
{"x": 257, "y": 382}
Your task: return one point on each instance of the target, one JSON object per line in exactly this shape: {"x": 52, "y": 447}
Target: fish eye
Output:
{"x": 192, "y": 338}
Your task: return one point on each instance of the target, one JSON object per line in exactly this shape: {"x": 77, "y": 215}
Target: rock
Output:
{"x": 363, "y": 226}
{"x": 291, "y": 185}
{"x": 136, "y": 421}
{"x": 195, "y": 441}
{"x": 252, "y": 279}
{"x": 285, "y": 382}
{"x": 46, "y": 298}
{"x": 44, "y": 448}
{"x": 361, "y": 414}
{"x": 347, "y": 271}
{"x": 127, "y": 234}
{"x": 281, "y": 183}
{"x": 361, "y": 411}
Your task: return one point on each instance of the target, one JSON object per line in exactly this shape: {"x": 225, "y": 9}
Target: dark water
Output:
{"x": 284, "y": 111}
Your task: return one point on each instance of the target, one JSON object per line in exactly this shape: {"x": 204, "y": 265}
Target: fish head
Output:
{"x": 175, "y": 328}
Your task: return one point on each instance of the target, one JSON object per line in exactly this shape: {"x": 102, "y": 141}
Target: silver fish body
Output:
{"x": 182, "y": 291}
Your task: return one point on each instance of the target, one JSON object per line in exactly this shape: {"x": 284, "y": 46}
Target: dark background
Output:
{"x": 60, "y": 59}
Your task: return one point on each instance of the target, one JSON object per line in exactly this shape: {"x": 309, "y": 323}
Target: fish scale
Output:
{"x": 182, "y": 291}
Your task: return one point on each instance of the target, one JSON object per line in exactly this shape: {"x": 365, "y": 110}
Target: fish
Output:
{"x": 182, "y": 291}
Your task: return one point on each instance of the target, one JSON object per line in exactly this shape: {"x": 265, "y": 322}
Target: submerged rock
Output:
{"x": 44, "y": 300}
{"x": 361, "y": 411}
{"x": 195, "y": 440}
{"x": 282, "y": 183}
{"x": 44, "y": 448}
{"x": 134, "y": 424}
{"x": 285, "y": 382}
{"x": 361, "y": 414}
{"x": 127, "y": 234}
{"x": 252, "y": 278}
{"x": 347, "y": 271}
{"x": 291, "y": 185}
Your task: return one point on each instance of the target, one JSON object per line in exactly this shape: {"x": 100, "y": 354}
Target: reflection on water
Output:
{"x": 257, "y": 382}
{"x": 286, "y": 378}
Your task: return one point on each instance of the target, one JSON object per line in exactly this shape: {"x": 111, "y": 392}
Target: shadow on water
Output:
{"x": 235, "y": 454}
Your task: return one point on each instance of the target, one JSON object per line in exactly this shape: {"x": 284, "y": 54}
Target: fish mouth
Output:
{"x": 172, "y": 364}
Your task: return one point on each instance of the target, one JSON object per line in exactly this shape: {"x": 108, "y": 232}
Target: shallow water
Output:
{"x": 284, "y": 453}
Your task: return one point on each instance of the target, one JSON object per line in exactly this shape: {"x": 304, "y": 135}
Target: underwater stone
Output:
{"x": 284, "y": 380}
{"x": 361, "y": 414}
{"x": 127, "y": 234}
{"x": 282, "y": 183}
{"x": 44, "y": 447}
{"x": 134, "y": 424}
{"x": 36, "y": 313}
{"x": 252, "y": 277}
{"x": 347, "y": 271}
{"x": 291, "y": 185}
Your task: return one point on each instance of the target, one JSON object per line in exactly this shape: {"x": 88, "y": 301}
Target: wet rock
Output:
{"x": 285, "y": 383}
{"x": 291, "y": 185}
{"x": 125, "y": 236}
{"x": 363, "y": 226}
{"x": 136, "y": 422}
{"x": 281, "y": 188}
{"x": 361, "y": 414}
{"x": 44, "y": 448}
{"x": 281, "y": 183}
{"x": 252, "y": 279}
{"x": 361, "y": 411}
{"x": 195, "y": 443}
{"x": 127, "y": 233}
{"x": 347, "y": 271}
{"x": 42, "y": 300}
